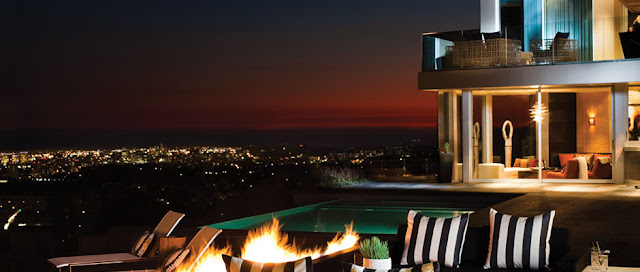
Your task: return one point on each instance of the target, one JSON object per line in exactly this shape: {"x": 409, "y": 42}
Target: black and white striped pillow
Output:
{"x": 434, "y": 239}
{"x": 234, "y": 264}
{"x": 428, "y": 267}
{"x": 175, "y": 259}
{"x": 519, "y": 242}
{"x": 143, "y": 243}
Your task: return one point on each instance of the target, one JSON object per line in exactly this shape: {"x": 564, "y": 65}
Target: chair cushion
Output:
{"x": 428, "y": 267}
{"x": 562, "y": 35}
{"x": 430, "y": 239}
{"x": 597, "y": 156}
{"x": 519, "y": 242}
{"x": 143, "y": 243}
{"x": 588, "y": 157}
{"x": 234, "y": 264}
{"x": 492, "y": 35}
{"x": 564, "y": 157}
{"x": 175, "y": 259}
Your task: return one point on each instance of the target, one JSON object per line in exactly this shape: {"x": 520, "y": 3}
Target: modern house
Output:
{"x": 550, "y": 81}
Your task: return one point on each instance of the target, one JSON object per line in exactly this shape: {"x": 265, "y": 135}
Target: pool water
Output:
{"x": 369, "y": 217}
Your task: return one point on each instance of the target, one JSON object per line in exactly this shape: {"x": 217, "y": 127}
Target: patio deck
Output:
{"x": 607, "y": 213}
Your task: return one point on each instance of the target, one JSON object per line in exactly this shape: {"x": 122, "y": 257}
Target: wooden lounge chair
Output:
{"x": 197, "y": 247}
{"x": 163, "y": 229}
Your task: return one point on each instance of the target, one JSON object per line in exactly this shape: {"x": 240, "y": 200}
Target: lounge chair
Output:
{"x": 197, "y": 247}
{"x": 163, "y": 229}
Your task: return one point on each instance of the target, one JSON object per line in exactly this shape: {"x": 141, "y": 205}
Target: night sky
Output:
{"x": 230, "y": 64}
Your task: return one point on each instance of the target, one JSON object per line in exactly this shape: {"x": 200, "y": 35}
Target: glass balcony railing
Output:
{"x": 602, "y": 39}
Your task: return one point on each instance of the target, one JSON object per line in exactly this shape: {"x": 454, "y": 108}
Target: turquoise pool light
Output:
{"x": 369, "y": 217}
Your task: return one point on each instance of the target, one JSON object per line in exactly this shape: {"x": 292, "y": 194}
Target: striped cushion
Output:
{"x": 434, "y": 239}
{"x": 519, "y": 242}
{"x": 234, "y": 264}
{"x": 175, "y": 259}
{"x": 141, "y": 246}
{"x": 428, "y": 267}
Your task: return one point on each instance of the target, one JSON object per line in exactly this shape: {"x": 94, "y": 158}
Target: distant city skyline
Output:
{"x": 257, "y": 65}
{"x": 55, "y": 139}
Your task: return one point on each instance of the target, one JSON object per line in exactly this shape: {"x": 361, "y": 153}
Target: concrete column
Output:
{"x": 454, "y": 134}
{"x": 487, "y": 129}
{"x": 619, "y": 127}
{"x": 443, "y": 120}
{"x": 467, "y": 140}
{"x": 489, "y": 16}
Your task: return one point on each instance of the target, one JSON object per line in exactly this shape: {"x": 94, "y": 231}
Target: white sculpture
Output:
{"x": 508, "y": 145}
{"x": 476, "y": 144}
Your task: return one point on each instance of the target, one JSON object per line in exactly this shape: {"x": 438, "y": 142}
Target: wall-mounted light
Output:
{"x": 592, "y": 121}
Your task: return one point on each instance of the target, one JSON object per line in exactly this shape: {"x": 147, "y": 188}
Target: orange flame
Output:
{"x": 268, "y": 244}
{"x": 211, "y": 261}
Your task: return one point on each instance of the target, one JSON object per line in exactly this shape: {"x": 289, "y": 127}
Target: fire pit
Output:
{"x": 268, "y": 244}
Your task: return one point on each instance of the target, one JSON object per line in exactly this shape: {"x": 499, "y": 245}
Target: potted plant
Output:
{"x": 446, "y": 165}
{"x": 375, "y": 253}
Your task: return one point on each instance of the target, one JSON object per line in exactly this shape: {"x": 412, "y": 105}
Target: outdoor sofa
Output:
{"x": 474, "y": 253}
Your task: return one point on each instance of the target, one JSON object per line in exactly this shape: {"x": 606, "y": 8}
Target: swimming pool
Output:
{"x": 369, "y": 217}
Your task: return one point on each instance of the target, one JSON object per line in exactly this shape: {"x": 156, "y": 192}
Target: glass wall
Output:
{"x": 449, "y": 131}
{"x": 549, "y": 135}
{"x": 505, "y": 135}
{"x": 579, "y": 134}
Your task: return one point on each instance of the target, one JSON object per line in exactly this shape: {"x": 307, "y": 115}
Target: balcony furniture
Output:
{"x": 630, "y": 42}
{"x": 570, "y": 171}
{"x": 484, "y": 53}
{"x": 474, "y": 252}
{"x": 601, "y": 167}
{"x": 163, "y": 229}
{"x": 556, "y": 50}
{"x": 490, "y": 170}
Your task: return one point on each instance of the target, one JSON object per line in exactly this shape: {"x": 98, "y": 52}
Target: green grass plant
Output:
{"x": 374, "y": 248}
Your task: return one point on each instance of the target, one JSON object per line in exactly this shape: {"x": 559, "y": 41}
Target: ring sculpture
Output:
{"x": 476, "y": 143}
{"x": 508, "y": 144}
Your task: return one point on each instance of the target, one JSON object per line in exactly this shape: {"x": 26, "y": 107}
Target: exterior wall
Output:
{"x": 609, "y": 18}
{"x": 597, "y": 138}
{"x": 631, "y": 169}
{"x": 489, "y": 16}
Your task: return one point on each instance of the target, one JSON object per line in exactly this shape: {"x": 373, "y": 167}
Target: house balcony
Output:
{"x": 599, "y": 51}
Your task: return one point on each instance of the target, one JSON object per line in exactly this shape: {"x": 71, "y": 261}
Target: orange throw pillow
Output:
{"x": 564, "y": 158}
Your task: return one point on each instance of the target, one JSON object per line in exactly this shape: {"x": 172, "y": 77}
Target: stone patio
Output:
{"x": 607, "y": 213}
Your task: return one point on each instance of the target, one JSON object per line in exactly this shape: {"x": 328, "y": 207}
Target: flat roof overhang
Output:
{"x": 586, "y": 74}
